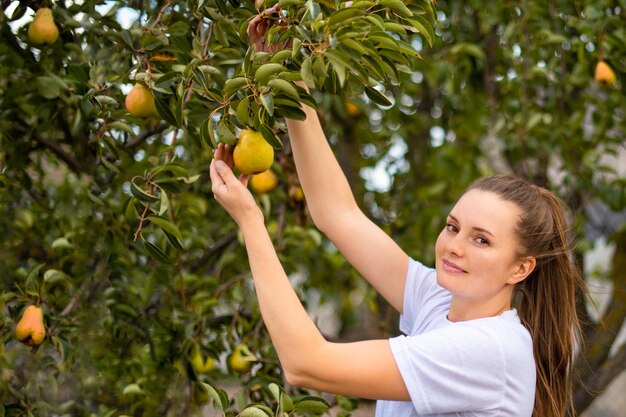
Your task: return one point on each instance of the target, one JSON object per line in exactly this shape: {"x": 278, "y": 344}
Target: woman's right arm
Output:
{"x": 335, "y": 212}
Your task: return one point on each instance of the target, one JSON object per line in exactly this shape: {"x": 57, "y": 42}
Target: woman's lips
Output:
{"x": 451, "y": 267}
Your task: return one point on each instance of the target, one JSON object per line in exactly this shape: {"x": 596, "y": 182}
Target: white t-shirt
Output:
{"x": 482, "y": 367}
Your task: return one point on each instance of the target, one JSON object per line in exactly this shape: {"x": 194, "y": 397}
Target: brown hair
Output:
{"x": 546, "y": 298}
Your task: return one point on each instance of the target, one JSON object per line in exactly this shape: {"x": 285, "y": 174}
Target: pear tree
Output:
{"x": 109, "y": 116}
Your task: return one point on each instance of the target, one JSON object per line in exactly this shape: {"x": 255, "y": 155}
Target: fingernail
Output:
{"x": 219, "y": 165}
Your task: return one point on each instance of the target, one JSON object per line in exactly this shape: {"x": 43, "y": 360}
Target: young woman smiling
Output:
{"x": 490, "y": 331}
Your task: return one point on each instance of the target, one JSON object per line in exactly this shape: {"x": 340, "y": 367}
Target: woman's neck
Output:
{"x": 463, "y": 309}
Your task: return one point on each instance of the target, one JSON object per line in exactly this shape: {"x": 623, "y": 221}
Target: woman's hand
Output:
{"x": 230, "y": 192}
{"x": 260, "y": 24}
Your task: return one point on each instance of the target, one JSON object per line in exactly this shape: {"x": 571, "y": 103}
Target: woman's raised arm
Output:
{"x": 335, "y": 212}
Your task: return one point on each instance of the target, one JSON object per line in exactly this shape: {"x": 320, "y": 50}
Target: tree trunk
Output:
{"x": 594, "y": 368}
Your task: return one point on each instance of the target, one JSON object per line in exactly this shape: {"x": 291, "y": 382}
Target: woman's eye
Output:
{"x": 482, "y": 241}
{"x": 451, "y": 228}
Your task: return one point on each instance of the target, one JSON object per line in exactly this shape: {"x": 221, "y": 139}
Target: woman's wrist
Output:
{"x": 252, "y": 218}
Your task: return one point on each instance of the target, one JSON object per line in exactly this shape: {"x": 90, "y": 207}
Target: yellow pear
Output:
{"x": 264, "y": 182}
{"x": 296, "y": 192}
{"x": 30, "y": 329}
{"x": 352, "y": 108}
{"x": 604, "y": 74}
{"x": 252, "y": 153}
{"x": 201, "y": 365}
{"x": 43, "y": 30}
{"x": 140, "y": 101}
{"x": 241, "y": 359}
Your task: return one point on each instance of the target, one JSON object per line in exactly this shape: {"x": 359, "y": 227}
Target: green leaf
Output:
{"x": 164, "y": 204}
{"x": 468, "y": 49}
{"x": 130, "y": 212}
{"x": 290, "y": 112}
{"x": 295, "y": 47}
{"x": 281, "y": 56}
{"x": 233, "y": 85}
{"x": 53, "y": 276}
{"x": 352, "y": 44}
{"x": 207, "y": 136}
{"x": 398, "y": 6}
{"x": 284, "y": 86}
{"x": 141, "y": 194}
{"x": 286, "y": 3}
{"x": 311, "y": 404}
{"x": 344, "y": 17}
{"x": 268, "y": 102}
{"x": 225, "y": 134}
{"x": 242, "y": 111}
{"x": 377, "y": 97}
{"x": 395, "y": 27}
{"x": 254, "y": 411}
{"x": 265, "y": 71}
{"x": 132, "y": 389}
{"x": 162, "y": 103}
{"x": 218, "y": 396}
{"x": 50, "y": 87}
{"x": 118, "y": 125}
{"x": 179, "y": 28}
{"x": 270, "y": 136}
{"x": 156, "y": 252}
{"x": 167, "y": 226}
{"x": 34, "y": 273}
{"x": 423, "y": 27}
{"x": 307, "y": 73}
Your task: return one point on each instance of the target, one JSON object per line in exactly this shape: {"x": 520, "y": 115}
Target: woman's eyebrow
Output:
{"x": 478, "y": 229}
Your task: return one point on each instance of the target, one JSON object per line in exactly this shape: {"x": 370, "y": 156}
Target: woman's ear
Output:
{"x": 523, "y": 269}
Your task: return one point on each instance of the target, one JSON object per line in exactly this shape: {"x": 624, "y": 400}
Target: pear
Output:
{"x": 199, "y": 363}
{"x": 264, "y": 182}
{"x": 140, "y": 101}
{"x": 241, "y": 359}
{"x": 252, "y": 154}
{"x": 43, "y": 30}
{"x": 604, "y": 74}
{"x": 30, "y": 329}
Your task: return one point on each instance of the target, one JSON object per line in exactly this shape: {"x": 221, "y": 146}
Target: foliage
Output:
{"x": 108, "y": 222}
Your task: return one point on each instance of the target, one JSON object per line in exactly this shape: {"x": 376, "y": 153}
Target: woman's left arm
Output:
{"x": 365, "y": 369}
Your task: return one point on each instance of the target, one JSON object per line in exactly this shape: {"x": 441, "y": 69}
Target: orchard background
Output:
{"x": 108, "y": 222}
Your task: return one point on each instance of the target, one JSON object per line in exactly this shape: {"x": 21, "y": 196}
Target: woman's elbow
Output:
{"x": 293, "y": 378}
{"x": 303, "y": 374}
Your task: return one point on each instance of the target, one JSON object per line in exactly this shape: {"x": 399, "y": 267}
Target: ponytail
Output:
{"x": 545, "y": 300}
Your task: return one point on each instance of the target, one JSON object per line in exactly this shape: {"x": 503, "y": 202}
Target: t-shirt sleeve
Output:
{"x": 422, "y": 298}
{"x": 450, "y": 369}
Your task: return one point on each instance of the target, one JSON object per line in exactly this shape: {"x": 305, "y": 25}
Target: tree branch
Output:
{"x": 597, "y": 383}
{"x": 11, "y": 40}
{"x": 69, "y": 159}
{"x": 594, "y": 368}
{"x": 213, "y": 250}
{"x": 139, "y": 139}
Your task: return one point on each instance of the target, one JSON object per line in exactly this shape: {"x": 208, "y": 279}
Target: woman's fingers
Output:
{"x": 218, "y": 154}
{"x": 244, "y": 178}
{"x": 228, "y": 157}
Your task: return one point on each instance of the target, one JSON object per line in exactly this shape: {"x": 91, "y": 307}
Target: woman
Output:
{"x": 466, "y": 351}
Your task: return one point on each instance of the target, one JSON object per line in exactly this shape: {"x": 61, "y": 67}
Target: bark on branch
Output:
{"x": 594, "y": 368}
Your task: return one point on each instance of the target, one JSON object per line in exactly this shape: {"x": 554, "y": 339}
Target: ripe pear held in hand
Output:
{"x": 252, "y": 154}
{"x": 604, "y": 74}
{"x": 30, "y": 329}
{"x": 140, "y": 101}
{"x": 43, "y": 30}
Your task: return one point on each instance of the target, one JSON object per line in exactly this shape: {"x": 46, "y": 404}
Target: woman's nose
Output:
{"x": 456, "y": 245}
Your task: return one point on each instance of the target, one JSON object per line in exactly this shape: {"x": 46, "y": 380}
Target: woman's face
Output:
{"x": 476, "y": 251}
